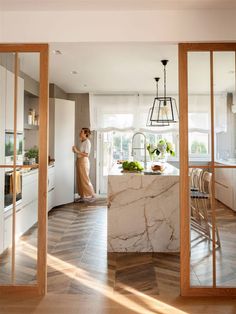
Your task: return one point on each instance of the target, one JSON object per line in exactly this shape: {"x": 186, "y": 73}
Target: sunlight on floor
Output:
{"x": 152, "y": 304}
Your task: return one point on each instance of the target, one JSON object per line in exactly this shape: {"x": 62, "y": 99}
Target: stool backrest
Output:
{"x": 206, "y": 182}
{"x": 196, "y": 175}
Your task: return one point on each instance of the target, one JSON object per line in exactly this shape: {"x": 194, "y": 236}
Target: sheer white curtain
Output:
{"x": 113, "y": 112}
{"x": 123, "y": 112}
{"x": 199, "y": 112}
{"x": 130, "y": 112}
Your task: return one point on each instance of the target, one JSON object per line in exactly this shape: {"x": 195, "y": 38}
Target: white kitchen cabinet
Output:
{"x": 27, "y": 210}
{"x": 9, "y": 102}
{"x": 225, "y": 186}
{"x": 29, "y": 187}
{"x": 61, "y": 140}
{"x": 8, "y": 225}
{"x": 51, "y": 187}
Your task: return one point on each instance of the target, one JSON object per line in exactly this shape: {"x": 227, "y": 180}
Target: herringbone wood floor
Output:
{"x": 77, "y": 245}
{"x": 201, "y": 252}
{"x": 78, "y": 262}
{"x": 85, "y": 285}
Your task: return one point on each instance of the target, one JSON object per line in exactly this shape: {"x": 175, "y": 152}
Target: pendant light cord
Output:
{"x": 164, "y": 84}
{"x": 157, "y": 80}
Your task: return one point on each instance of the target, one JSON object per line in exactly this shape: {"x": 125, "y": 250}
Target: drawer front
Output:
{"x": 29, "y": 189}
{"x": 224, "y": 176}
{"x": 51, "y": 179}
{"x": 51, "y": 199}
{"x": 224, "y": 194}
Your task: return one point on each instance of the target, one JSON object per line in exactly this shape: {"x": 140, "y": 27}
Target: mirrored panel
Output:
{"x": 199, "y": 150}
{"x": 225, "y": 178}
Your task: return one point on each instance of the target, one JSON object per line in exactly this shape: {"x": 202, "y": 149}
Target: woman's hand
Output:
{"x": 74, "y": 149}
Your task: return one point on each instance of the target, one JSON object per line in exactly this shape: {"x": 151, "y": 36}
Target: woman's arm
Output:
{"x": 77, "y": 151}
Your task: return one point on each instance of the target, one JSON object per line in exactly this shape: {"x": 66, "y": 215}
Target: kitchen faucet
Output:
{"x": 144, "y": 148}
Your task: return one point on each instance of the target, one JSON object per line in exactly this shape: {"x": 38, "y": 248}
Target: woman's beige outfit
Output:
{"x": 84, "y": 185}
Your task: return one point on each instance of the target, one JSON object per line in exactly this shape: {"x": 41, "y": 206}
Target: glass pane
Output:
{"x": 199, "y": 147}
{"x": 18, "y": 264}
{"x": 225, "y": 179}
{"x": 7, "y": 67}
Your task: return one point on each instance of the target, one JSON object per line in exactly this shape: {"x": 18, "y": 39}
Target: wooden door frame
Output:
{"x": 186, "y": 289}
{"x": 40, "y": 287}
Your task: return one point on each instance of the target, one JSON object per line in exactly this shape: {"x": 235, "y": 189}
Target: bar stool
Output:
{"x": 201, "y": 201}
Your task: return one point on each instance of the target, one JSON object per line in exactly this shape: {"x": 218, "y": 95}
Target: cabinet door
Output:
{"x": 20, "y": 105}
{"x": 224, "y": 186}
{"x": 10, "y": 77}
{"x": 51, "y": 188}
{"x": 224, "y": 194}
{"x": 9, "y": 101}
{"x": 64, "y": 158}
{"x": 30, "y": 188}
{"x": 224, "y": 176}
{"x": 51, "y": 199}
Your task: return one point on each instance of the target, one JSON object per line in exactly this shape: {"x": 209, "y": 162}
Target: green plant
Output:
{"x": 32, "y": 153}
{"x": 132, "y": 166}
{"x": 163, "y": 147}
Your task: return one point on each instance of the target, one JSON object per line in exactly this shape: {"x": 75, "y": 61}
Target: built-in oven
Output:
{"x": 8, "y": 188}
{"x": 9, "y": 147}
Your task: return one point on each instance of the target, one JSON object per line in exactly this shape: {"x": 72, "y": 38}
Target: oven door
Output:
{"x": 8, "y": 188}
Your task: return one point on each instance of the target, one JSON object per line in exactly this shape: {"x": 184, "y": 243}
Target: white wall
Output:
{"x": 76, "y": 26}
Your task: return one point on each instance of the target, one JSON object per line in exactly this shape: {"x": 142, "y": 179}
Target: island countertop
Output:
{"x": 169, "y": 170}
{"x": 143, "y": 211}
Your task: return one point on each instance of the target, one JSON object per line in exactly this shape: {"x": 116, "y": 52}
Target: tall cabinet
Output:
{"x": 61, "y": 140}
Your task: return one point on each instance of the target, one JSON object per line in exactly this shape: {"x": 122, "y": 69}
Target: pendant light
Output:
{"x": 150, "y": 121}
{"x": 164, "y": 109}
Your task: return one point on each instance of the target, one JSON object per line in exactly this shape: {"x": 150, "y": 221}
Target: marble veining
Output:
{"x": 143, "y": 213}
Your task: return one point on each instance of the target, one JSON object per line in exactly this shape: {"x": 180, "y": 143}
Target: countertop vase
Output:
{"x": 162, "y": 157}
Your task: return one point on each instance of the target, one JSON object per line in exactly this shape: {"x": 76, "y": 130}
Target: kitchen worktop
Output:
{"x": 227, "y": 162}
{"x": 169, "y": 170}
{"x": 29, "y": 171}
{"x": 143, "y": 211}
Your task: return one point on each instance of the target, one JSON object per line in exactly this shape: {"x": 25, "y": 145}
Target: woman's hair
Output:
{"x": 87, "y": 131}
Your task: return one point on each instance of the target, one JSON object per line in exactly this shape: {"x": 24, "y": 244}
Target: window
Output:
{"x": 198, "y": 144}
{"x": 199, "y": 126}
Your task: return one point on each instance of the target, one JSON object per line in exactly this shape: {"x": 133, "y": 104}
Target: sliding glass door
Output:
{"x": 208, "y": 185}
{"x": 23, "y": 168}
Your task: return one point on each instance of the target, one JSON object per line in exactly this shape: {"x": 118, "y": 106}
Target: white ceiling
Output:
{"x": 129, "y": 67}
{"x": 104, "y": 67}
{"x": 108, "y": 67}
{"x": 98, "y": 5}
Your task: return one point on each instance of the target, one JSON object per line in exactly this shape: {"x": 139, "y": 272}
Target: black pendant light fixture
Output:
{"x": 164, "y": 109}
{"x": 150, "y": 120}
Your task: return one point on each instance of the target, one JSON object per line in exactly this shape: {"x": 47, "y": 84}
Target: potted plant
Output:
{"x": 162, "y": 149}
{"x": 32, "y": 155}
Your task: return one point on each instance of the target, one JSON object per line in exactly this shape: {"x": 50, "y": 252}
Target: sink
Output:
{"x": 150, "y": 172}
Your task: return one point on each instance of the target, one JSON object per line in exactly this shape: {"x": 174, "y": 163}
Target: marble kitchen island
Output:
{"x": 143, "y": 211}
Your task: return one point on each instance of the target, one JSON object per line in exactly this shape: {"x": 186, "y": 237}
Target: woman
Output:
{"x": 84, "y": 185}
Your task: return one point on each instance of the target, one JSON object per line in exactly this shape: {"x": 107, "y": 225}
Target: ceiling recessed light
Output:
{"x": 57, "y": 52}
{"x": 74, "y": 72}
